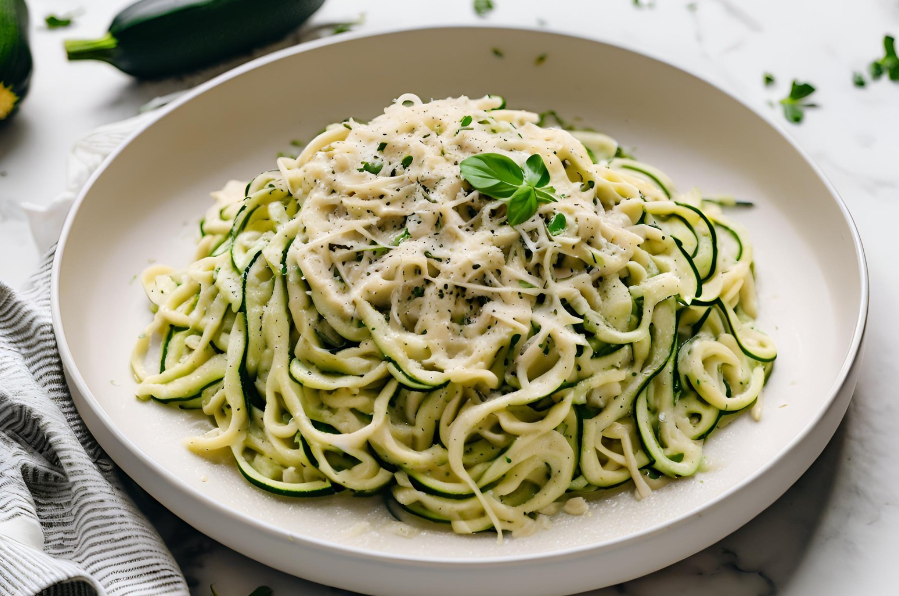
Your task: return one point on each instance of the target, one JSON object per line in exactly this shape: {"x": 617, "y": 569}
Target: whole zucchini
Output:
{"x": 15, "y": 56}
{"x": 161, "y": 38}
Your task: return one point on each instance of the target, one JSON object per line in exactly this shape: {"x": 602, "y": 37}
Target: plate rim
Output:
{"x": 73, "y": 374}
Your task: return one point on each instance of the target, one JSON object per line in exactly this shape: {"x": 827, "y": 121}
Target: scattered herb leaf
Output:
{"x": 889, "y": 64}
{"x": 483, "y": 7}
{"x": 498, "y": 53}
{"x": 794, "y": 105}
{"x": 858, "y": 79}
{"x": 407, "y": 161}
{"x": 55, "y": 22}
{"x": 769, "y": 79}
{"x": 408, "y": 103}
{"x": 499, "y": 177}
{"x": 382, "y": 146}
{"x": 371, "y": 168}
{"x": 418, "y": 292}
{"x": 402, "y": 237}
{"x": 557, "y": 225}
{"x": 540, "y": 59}
{"x": 622, "y": 154}
{"x": 466, "y": 121}
{"x": 525, "y": 284}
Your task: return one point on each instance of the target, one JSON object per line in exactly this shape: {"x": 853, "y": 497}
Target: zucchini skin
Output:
{"x": 15, "y": 56}
{"x": 161, "y": 38}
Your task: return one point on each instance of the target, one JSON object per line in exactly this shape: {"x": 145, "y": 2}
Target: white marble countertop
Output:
{"x": 835, "y": 531}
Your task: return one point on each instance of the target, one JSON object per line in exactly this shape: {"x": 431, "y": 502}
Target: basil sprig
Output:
{"x": 499, "y": 177}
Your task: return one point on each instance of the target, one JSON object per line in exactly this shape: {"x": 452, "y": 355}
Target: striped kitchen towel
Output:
{"x": 66, "y": 525}
{"x": 67, "y": 528}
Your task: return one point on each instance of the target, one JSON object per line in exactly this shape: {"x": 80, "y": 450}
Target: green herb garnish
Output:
{"x": 466, "y": 121}
{"x": 402, "y": 237}
{"x": 858, "y": 79}
{"x": 55, "y": 22}
{"x": 418, "y": 292}
{"x": 499, "y": 177}
{"x": 483, "y": 7}
{"x": 540, "y": 59}
{"x": 557, "y": 225}
{"x": 525, "y": 284}
{"x": 371, "y": 168}
{"x": 793, "y": 105}
{"x": 407, "y": 161}
{"x": 498, "y": 53}
{"x": 769, "y": 79}
{"x": 382, "y": 146}
{"x": 889, "y": 64}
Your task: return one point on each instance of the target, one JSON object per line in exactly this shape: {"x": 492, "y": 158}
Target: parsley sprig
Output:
{"x": 499, "y": 177}
{"x": 889, "y": 64}
{"x": 794, "y": 104}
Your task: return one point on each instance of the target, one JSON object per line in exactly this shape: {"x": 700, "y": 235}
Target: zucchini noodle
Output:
{"x": 362, "y": 319}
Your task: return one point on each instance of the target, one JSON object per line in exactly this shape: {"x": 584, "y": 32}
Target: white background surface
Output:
{"x": 835, "y": 531}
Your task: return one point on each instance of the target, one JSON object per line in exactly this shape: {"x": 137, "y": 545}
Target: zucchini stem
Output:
{"x": 91, "y": 49}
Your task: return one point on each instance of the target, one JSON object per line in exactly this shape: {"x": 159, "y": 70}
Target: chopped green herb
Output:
{"x": 55, "y": 22}
{"x": 889, "y": 64}
{"x": 525, "y": 284}
{"x": 508, "y": 460}
{"x": 418, "y": 292}
{"x": 407, "y": 161}
{"x": 347, "y": 125}
{"x": 402, "y": 237}
{"x": 769, "y": 79}
{"x": 408, "y": 103}
{"x": 466, "y": 121}
{"x": 344, "y": 27}
{"x": 858, "y": 79}
{"x": 371, "y": 168}
{"x": 498, "y": 53}
{"x": 297, "y": 143}
{"x": 557, "y": 225}
{"x": 540, "y": 59}
{"x": 794, "y": 105}
{"x": 483, "y": 7}
{"x": 382, "y": 146}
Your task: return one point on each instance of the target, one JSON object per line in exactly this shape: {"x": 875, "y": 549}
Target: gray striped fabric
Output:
{"x": 66, "y": 526}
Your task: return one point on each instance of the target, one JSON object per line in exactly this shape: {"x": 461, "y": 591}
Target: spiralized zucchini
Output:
{"x": 362, "y": 319}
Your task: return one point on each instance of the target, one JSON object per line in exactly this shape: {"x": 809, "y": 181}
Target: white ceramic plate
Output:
{"x": 145, "y": 203}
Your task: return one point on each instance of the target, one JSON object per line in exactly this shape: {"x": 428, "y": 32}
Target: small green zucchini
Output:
{"x": 161, "y": 38}
{"x": 15, "y": 56}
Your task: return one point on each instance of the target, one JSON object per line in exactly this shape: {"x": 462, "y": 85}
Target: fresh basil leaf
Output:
{"x": 535, "y": 172}
{"x": 557, "y": 225}
{"x": 793, "y": 106}
{"x": 407, "y": 161}
{"x": 544, "y": 195}
{"x": 875, "y": 70}
{"x": 492, "y": 174}
{"x": 769, "y": 79}
{"x": 382, "y": 146}
{"x": 522, "y": 206}
{"x": 466, "y": 121}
